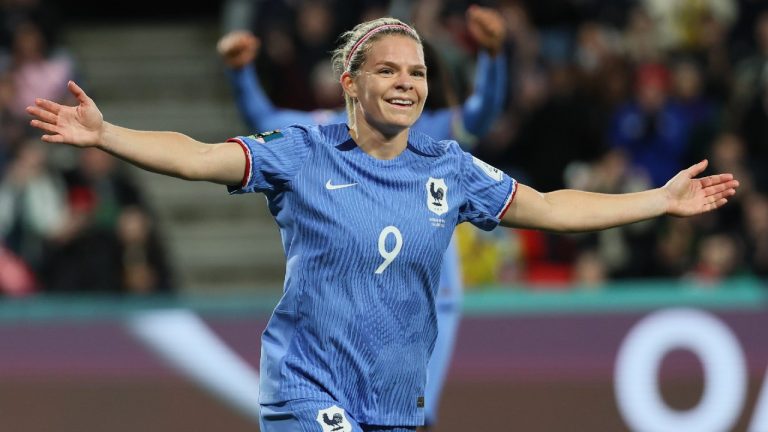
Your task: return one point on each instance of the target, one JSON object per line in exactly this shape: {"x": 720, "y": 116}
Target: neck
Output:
{"x": 377, "y": 143}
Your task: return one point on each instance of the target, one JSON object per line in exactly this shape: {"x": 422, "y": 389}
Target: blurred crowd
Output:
{"x": 602, "y": 95}
{"x": 618, "y": 96}
{"x": 69, "y": 221}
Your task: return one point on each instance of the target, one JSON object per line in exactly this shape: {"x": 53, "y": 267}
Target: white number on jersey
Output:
{"x": 389, "y": 256}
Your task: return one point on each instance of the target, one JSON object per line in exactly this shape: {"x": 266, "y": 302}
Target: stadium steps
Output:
{"x": 167, "y": 76}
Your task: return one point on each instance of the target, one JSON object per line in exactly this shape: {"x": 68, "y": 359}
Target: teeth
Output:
{"x": 401, "y": 101}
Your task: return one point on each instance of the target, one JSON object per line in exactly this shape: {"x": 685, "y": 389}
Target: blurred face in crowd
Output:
{"x": 96, "y": 164}
{"x": 718, "y": 254}
{"x": 756, "y": 214}
{"x": 315, "y": 22}
{"x": 652, "y": 87}
{"x": 391, "y": 87}
{"x": 30, "y": 162}
{"x": 728, "y": 153}
{"x": 133, "y": 226}
{"x": 687, "y": 80}
{"x": 29, "y": 43}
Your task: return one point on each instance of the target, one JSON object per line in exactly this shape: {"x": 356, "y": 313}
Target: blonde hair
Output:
{"x": 355, "y": 44}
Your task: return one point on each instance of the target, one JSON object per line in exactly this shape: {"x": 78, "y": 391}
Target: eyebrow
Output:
{"x": 397, "y": 65}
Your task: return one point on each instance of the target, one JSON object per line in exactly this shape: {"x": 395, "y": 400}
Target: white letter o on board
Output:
{"x": 639, "y": 360}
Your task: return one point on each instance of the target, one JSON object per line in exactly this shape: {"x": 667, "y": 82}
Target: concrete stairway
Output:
{"x": 167, "y": 76}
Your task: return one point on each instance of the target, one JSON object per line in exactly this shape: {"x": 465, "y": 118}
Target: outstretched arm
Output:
{"x": 576, "y": 211}
{"x": 168, "y": 153}
{"x": 239, "y": 50}
{"x": 487, "y": 100}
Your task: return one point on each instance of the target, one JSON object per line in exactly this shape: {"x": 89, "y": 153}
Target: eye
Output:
{"x": 386, "y": 71}
{"x": 419, "y": 74}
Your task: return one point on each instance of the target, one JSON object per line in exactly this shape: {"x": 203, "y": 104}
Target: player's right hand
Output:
{"x": 238, "y": 48}
{"x": 79, "y": 125}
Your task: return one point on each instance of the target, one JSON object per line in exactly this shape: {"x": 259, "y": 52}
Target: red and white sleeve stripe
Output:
{"x": 247, "y": 174}
{"x": 508, "y": 202}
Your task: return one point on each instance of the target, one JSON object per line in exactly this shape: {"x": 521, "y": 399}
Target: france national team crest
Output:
{"x": 333, "y": 419}
{"x": 437, "y": 196}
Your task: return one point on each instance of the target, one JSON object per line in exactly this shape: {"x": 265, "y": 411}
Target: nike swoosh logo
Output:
{"x": 330, "y": 186}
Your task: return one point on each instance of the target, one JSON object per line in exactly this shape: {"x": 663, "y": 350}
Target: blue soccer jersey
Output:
{"x": 364, "y": 240}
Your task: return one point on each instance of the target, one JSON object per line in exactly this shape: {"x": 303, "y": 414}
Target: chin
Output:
{"x": 401, "y": 125}
{"x": 393, "y": 126}
{"x": 404, "y": 120}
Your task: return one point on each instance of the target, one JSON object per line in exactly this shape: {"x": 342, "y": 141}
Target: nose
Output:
{"x": 404, "y": 81}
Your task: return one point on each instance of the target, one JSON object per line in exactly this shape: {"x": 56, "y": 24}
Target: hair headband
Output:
{"x": 370, "y": 33}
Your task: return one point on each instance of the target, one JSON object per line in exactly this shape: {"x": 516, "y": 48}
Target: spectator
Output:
{"x": 108, "y": 234}
{"x": 756, "y": 235}
{"x": 44, "y": 14}
{"x": 652, "y": 129}
{"x": 12, "y": 131}
{"x": 686, "y": 25}
{"x": 754, "y": 129}
{"x": 34, "y": 72}
{"x": 145, "y": 269}
{"x": 701, "y": 113}
{"x": 719, "y": 257}
{"x": 32, "y": 205}
{"x": 641, "y": 40}
{"x": 751, "y": 73}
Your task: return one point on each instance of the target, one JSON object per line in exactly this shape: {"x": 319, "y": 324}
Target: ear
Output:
{"x": 349, "y": 85}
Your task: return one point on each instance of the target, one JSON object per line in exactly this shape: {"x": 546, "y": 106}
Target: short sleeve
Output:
{"x": 272, "y": 159}
{"x": 488, "y": 193}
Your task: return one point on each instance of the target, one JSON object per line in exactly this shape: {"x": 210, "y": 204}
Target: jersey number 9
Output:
{"x": 389, "y": 256}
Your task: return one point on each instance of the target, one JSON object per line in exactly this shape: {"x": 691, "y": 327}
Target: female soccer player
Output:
{"x": 442, "y": 118}
{"x": 366, "y": 210}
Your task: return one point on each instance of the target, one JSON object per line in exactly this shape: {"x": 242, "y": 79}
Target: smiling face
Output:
{"x": 391, "y": 86}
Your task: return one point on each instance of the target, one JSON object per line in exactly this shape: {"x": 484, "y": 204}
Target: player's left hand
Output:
{"x": 687, "y": 195}
{"x": 486, "y": 26}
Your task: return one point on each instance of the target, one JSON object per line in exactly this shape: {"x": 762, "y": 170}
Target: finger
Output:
{"x": 43, "y": 115}
{"x": 726, "y": 194}
{"x": 47, "y": 127}
{"x": 53, "y": 138}
{"x": 716, "y": 179}
{"x": 248, "y": 37}
{"x": 488, "y": 19}
{"x": 697, "y": 169}
{"x": 732, "y": 184}
{"x": 481, "y": 19}
{"x": 713, "y": 205}
{"x": 240, "y": 40}
{"x": 224, "y": 43}
{"x": 721, "y": 195}
{"x": 239, "y": 34}
{"x": 715, "y": 188}
{"x": 230, "y": 42}
{"x": 719, "y": 203}
{"x": 48, "y": 105}
{"x": 78, "y": 92}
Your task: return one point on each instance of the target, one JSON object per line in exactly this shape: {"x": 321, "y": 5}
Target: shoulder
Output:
{"x": 430, "y": 147}
{"x": 332, "y": 134}
{"x": 314, "y": 135}
{"x": 302, "y": 133}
